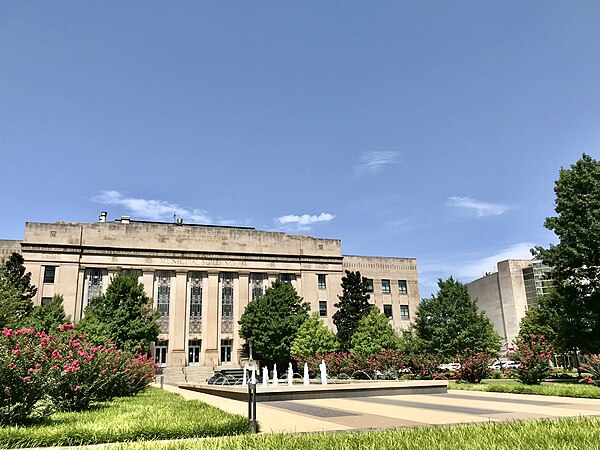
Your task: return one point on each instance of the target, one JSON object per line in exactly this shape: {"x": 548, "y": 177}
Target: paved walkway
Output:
{"x": 401, "y": 410}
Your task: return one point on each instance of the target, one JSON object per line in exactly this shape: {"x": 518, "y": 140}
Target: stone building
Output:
{"x": 202, "y": 277}
{"x": 506, "y": 295}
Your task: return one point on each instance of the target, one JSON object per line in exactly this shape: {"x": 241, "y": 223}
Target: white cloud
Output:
{"x": 481, "y": 209}
{"x": 373, "y": 162}
{"x": 303, "y": 222}
{"x": 160, "y": 210}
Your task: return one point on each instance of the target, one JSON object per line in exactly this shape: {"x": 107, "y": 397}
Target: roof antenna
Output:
{"x": 174, "y": 217}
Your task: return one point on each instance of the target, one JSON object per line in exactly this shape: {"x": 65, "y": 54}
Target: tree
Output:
{"x": 123, "y": 314}
{"x": 16, "y": 292}
{"x": 353, "y": 306}
{"x": 313, "y": 338}
{"x": 373, "y": 334}
{"x": 540, "y": 320}
{"x": 48, "y": 317}
{"x": 575, "y": 260}
{"x": 450, "y": 323}
{"x": 272, "y": 322}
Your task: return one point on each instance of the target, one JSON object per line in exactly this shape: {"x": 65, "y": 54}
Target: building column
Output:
{"x": 241, "y": 303}
{"x": 210, "y": 321}
{"x": 147, "y": 281}
{"x": 178, "y": 322}
{"x": 80, "y": 300}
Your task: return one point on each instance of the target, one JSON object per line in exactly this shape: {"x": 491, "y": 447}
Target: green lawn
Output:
{"x": 559, "y": 389}
{"x": 153, "y": 414}
{"x": 562, "y": 434}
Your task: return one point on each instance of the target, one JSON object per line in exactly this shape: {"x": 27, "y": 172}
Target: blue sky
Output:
{"x": 425, "y": 129}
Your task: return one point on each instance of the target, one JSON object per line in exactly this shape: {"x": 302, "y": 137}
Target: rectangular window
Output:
{"x": 161, "y": 349}
{"x": 195, "y": 282}
{"x": 49, "y": 273}
{"x": 322, "y": 282}
{"x": 402, "y": 289}
{"x": 227, "y": 302}
{"x": 257, "y": 285}
{"x": 194, "y": 348}
{"x": 387, "y": 311}
{"x": 94, "y": 282}
{"x": 287, "y": 278}
{"x": 404, "y": 315}
{"x": 323, "y": 308}
{"x": 226, "y": 347}
{"x": 369, "y": 285}
{"x": 46, "y": 300}
{"x": 385, "y": 286}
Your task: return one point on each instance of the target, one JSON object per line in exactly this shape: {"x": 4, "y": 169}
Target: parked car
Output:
{"x": 504, "y": 365}
{"x": 453, "y": 367}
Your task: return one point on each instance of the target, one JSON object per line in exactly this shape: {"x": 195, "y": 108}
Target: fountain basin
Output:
{"x": 315, "y": 391}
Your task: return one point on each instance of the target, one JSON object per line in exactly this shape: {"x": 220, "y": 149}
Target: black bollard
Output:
{"x": 252, "y": 408}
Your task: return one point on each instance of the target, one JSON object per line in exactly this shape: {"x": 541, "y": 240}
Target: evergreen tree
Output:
{"x": 353, "y": 306}
{"x": 450, "y": 323}
{"x": 272, "y": 322}
{"x": 575, "y": 260}
{"x": 373, "y": 334}
{"x": 123, "y": 314}
{"x": 16, "y": 292}
{"x": 313, "y": 338}
{"x": 49, "y": 317}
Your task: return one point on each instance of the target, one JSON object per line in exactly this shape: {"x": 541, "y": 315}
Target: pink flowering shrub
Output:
{"x": 593, "y": 368}
{"x": 534, "y": 355}
{"x": 389, "y": 363}
{"x": 474, "y": 367}
{"x": 63, "y": 370}
{"x": 424, "y": 367}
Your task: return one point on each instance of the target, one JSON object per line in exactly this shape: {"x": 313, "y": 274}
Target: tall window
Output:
{"x": 402, "y": 289}
{"x": 49, "y": 273}
{"x": 257, "y": 289}
{"x": 194, "y": 348}
{"x": 161, "y": 350}
{"x": 404, "y": 315}
{"x": 322, "y": 281}
{"x": 385, "y": 286}
{"x": 369, "y": 284}
{"x": 163, "y": 297}
{"x": 226, "y": 347}
{"x": 227, "y": 302}
{"x": 387, "y": 311}
{"x": 94, "y": 282}
{"x": 195, "y": 283}
{"x": 322, "y": 308}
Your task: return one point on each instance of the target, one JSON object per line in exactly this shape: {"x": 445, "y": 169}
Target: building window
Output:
{"x": 322, "y": 308}
{"x": 163, "y": 297}
{"x": 46, "y": 300}
{"x": 226, "y": 347}
{"x": 286, "y": 278}
{"x": 195, "y": 302}
{"x": 227, "y": 302}
{"x": 94, "y": 283}
{"x": 402, "y": 289}
{"x": 322, "y": 282}
{"x": 257, "y": 289}
{"x": 194, "y": 348}
{"x": 404, "y": 315}
{"x": 161, "y": 349}
{"x": 369, "y": 285}
{"x": 387, "y": 311}
{"x": 385, "y": 286}
{"x": 49, "y": 273}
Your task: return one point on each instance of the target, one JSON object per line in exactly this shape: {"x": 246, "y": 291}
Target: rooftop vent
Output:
{"x": 179, "y": 221}
{"x": 125, "y": 219}
{"x": 102, "y": 217}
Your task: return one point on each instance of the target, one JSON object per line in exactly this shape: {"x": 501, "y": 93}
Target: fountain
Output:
{"x": 265, "y": 376}
{"x": 323, "y": 370}
{"x": 306, "y": 378}
{"x": 275, "y": 379}
{"x": 290, "y": 375}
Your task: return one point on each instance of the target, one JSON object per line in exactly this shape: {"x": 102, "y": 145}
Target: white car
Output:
{"x": 453, "y": 367}
{"x": 504, "y": 365}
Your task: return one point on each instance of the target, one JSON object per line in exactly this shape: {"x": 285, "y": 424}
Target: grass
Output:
{"x": 563, "y": 389}
{"x": 152, "y": 414}
{"x": 561, "y": 434}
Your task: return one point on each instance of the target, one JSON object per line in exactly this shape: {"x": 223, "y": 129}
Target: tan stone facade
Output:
{"x": 202, "y": 277}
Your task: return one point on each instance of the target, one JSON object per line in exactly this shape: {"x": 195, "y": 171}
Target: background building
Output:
{"x": 202, "y": 277}
{"x": 505, "y": 295}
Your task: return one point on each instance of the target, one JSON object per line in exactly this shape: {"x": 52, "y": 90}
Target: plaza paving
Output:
{"x": 392, "y": 411}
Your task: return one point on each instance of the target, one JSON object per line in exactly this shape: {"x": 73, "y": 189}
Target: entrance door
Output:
{"x": 160, "y": 353}
{"x": 194, "y": 353}
{"x": 226, "y": 347}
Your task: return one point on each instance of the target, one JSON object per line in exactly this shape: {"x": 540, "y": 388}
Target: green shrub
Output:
{"x": 474, "y": 367}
